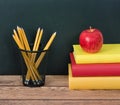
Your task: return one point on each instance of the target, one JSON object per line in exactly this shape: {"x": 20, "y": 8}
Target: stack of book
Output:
{"x": 95, "y": 71}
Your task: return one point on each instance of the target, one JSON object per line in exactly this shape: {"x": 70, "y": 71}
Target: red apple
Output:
{"x": 91, "y": 40}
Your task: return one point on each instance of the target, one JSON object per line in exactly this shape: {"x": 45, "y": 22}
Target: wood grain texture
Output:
{"x": 55, "y": 92}
{"x": 59, "y": 102}
{"x": 55, "y": 80}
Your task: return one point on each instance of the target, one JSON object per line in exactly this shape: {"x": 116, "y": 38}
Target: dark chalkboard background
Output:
{"x": 67, "y": 17}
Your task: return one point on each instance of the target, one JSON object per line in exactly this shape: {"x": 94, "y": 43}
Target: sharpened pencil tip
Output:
{"x": 18, "y": 27}
{"x": 39, "y": 29}
{"x": 42, "y": 29}
{"x": 55, "y": 33}
{"x": 13, "y": 30}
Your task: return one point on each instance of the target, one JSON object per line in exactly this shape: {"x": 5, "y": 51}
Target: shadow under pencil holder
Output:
{"x": 33, "y": 67}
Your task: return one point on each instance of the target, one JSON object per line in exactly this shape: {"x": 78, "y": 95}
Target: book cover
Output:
{"x": 110, "y": 53}
{"x": 100, "y": 69}
{"x": 102, "y": 82}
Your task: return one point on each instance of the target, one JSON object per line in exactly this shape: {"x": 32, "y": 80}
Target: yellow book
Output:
{"x": 110, "y": 53}
{"x": 78, "y": 83}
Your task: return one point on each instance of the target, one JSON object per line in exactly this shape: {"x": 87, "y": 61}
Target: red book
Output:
{"x": 102, "y": 69}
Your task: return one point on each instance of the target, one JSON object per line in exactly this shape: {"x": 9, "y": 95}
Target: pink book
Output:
{"x": 101, "y": 69}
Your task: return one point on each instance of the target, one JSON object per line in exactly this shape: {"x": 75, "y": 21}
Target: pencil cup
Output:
{"x": 33, "y": 67}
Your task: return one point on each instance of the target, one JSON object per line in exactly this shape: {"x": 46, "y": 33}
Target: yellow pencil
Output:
{"x": 45, "y": 48}
{"x": 29, "y": 55}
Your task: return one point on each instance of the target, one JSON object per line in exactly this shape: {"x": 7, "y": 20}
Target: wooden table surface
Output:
{"x": 55, "y": 92}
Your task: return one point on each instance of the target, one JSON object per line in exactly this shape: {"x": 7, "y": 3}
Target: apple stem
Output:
{"x": 91, "y": 29}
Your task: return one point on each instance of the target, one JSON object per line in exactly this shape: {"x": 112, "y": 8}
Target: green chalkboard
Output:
{"x": 67, "y": 17}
